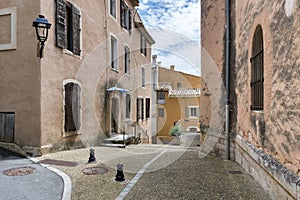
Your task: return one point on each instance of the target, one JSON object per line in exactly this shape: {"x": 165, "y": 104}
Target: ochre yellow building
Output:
{"x": 178, "y": 100}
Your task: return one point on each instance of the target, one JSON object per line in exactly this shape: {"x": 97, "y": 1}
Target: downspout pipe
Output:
{"x": 227, "y": 64}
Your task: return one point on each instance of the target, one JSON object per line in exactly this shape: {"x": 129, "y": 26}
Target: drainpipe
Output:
{"x": 227, "y": 60}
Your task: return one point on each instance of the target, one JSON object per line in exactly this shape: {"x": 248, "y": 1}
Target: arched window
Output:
{"x": 257, "y": 71}
{"x": 72, "y": 106}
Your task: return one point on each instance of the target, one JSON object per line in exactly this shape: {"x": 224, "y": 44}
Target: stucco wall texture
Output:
{"x": 276, "y": 130}
{"x": 175, "y": 107}
{"x": 33, "y": 88}
{"x": 20, "y": 78}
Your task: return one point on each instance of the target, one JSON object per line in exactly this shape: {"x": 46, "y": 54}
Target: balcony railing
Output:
{"x": 185, "y": 92}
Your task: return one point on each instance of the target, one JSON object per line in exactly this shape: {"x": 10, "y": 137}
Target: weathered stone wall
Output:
{"x": 273, "y": 177}
{"x": 212, "y": 57}
{"x": 276, "y": 130}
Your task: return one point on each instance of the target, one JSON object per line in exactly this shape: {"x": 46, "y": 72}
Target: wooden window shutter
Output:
{"x": 76, "y": 105}
{"x": 76, "y": 30}
{"x": 130, "y": 21}
{"x": 142, "y": 109}
{"x": 72, "y": 107}
{"x": 147, "y": 107}
{"x": 187, "y": 112}
{"x": 138, "y": 109}
{"x": 69, "y": 121}
{"x": 122, "y": 13}
{"x": 198, "y": 112}
{"x": 60, "y": 25}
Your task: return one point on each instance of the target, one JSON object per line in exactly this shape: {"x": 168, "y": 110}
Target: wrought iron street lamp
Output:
{"x": 41, "y": 27}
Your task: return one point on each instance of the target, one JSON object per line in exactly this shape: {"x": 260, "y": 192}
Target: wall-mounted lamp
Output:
{"x": 41, "y": 27}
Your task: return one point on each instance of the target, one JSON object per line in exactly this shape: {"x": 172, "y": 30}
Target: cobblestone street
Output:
{"x": 158, "y": 172}
{"x": 190, "y": 177}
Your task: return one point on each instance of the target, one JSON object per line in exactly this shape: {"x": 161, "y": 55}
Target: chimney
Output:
{"x": 154, "y": 57}
{"x": 172, "y": 67}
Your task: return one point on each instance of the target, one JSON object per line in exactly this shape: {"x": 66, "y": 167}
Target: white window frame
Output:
{"x": 114, "y": 56}
{"x": 110, "y": 9}
{"x": 190, "y": 116}
{"x": 160, "y": 100}
{"x": 12, "y": 11}
{"x": 64, "y": 133}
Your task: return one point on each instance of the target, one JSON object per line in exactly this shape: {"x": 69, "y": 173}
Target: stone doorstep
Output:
{"x": 13, "y": 148}
{"x": 283, "y": 176}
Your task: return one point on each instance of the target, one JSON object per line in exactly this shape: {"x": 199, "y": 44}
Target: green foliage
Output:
{"x": 175, "y": 131}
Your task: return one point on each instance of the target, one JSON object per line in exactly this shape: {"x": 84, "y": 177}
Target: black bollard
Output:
{"x": 92, "y": 158}
{"x": 120, "y": 174}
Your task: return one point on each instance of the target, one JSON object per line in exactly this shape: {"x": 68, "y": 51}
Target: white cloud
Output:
{"x": 175, "y": 26}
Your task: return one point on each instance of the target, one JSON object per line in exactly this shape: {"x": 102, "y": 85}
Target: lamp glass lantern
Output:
{"x": 41, "y": 27}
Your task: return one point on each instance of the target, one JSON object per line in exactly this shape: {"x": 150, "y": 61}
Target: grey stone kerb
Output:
{"x": 67, "y": 191}
{"x": 282, "y": 175}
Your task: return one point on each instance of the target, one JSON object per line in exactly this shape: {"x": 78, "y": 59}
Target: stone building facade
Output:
{"x": 264, "y": 92}
{"x": 178, "y": 102}
{"x": 85, "y": 88}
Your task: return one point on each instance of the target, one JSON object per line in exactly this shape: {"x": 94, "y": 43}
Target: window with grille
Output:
{"x": 257, "y": 71}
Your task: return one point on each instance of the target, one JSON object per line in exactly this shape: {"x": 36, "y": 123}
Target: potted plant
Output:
{"x": 175, "y": 133}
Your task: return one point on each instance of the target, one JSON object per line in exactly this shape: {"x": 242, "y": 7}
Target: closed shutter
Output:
{"x": 122, "y": 13}
{"x": 198, "y": 112}
{"x": 127, "y": 106}
{"x": 130, "y": 21}
{"x": 76, "y": 105}
{"x": 69, "y": 121}
{"x": 76, "y": 30}
{"x": 60, "y": 28}
{"x": 7, "y": 127}
{"x": 148, "y": 108}
{"x": 187, "y": 112}
{"x": 72, "y": 107}
{"x": 142, "y": 109}
{"x": 138, "y": 114}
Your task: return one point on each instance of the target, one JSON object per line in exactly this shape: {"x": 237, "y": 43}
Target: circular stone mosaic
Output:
{"x": 94, "y": 170}
{"x": 20, "y": 171}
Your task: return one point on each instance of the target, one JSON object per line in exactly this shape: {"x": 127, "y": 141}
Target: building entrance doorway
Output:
{"x": 114, "y": 117}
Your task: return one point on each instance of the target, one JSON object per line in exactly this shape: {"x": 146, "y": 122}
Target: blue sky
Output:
{"x": 175, "y": 27}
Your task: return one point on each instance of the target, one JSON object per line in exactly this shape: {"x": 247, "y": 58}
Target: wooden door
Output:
{"x": 7, "y": 127}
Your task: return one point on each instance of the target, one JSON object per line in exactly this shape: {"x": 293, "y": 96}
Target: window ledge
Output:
{"x": 68, "y": 52}
{"x": 257, "y": 111}
{"x": 115, "y": 70}
{"x": 70, "y": 134}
